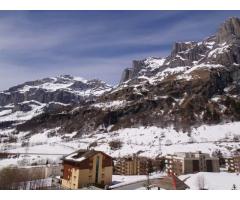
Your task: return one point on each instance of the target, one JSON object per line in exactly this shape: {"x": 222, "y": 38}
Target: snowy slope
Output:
{"x": 147, "y": 141}
{"x": 36, "y": 108}
{"x": 212, "y": 181}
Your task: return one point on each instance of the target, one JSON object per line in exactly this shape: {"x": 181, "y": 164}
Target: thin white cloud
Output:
{"x": 29, "y": 49}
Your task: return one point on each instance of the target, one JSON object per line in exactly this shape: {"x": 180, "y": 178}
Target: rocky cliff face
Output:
{"x": 229, "y": 31}
{"x": 222, "y": 49}
{"x": 198, "y": 83}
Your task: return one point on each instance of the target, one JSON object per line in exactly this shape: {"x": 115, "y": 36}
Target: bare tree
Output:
{"x": 19, "y": 178}
{"x": 8, "y": 177}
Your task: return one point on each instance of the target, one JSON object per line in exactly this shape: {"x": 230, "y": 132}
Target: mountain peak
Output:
{"x": 229, "y": 30}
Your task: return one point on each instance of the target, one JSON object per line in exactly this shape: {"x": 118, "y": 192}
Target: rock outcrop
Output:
{"x": 229, "y": 30}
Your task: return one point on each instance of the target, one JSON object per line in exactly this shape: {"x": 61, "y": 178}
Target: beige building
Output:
{"x": 131, "y": 165}
{"x": 184, "y": 163}
{"x": 86, "y": 167}
{"x": 233, "y": 164}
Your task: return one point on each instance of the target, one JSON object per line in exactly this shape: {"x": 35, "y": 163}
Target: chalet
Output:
{"x": 86, "y": 167}
{"x": 189, "y": 162}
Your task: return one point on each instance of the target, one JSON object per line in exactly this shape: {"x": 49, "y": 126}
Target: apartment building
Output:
{"x": 233, "y": 164}
{"x": 190, "y": 162}
{"x": 132, "y": 165}
{"x": 86, "y": 167}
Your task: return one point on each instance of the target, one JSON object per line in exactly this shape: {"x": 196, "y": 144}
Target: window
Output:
{"x": 97, "y": 169}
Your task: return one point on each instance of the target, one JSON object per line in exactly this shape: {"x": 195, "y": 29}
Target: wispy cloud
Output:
{"x": 36, "y": 44}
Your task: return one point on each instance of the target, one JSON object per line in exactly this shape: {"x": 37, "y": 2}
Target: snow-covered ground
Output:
{"x": 152, "y": 141}
{"x": 212, "y": 181}
{"x": 39, "y": 154}
{"x": 120, "y": 180}
{"x": 148, "y": 141}
{"x": 206, "y": 180}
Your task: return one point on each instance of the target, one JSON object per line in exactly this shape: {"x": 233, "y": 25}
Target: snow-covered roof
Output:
{"x": 81, "y": 155}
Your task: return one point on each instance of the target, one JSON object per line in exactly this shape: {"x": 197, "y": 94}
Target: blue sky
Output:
{"x": 93, "y": 44}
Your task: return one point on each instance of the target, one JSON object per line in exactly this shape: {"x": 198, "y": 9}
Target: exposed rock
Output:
{"x": 126, "y": 75}
{"x": 229, "y": 30}
{"x": 129, "y": 73}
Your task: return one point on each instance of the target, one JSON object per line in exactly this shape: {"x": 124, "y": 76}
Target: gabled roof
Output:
{"x": 82, "y": 154}
{"x": 170, "y": 182}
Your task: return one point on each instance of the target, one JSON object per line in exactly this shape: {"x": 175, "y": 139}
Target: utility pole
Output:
{"x": 149, "y": 171}
{"x": 148, "y": 182}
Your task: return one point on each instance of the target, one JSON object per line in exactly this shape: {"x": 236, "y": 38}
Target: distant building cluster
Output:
{"x": 85, "y": 168}
{"x": 233, "y": 164}
{"x": 188, "y": 162}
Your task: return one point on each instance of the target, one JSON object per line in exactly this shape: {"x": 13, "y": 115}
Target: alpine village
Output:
{"x": 171, "y": 123}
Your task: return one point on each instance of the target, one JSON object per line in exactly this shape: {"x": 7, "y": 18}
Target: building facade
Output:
{"x": 184, "y": 163}
{"x": 132, "y": 165}
{"x": 86, "y": 167}
{"x": 233, "y": 164}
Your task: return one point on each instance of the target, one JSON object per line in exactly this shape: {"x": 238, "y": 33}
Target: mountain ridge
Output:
{"x": 197, "y": 84}
{"x": 25, "y": 101}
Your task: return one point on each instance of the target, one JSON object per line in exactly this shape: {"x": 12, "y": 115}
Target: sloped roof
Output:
{"x": 170, "y": 182}
{"x": 82, "y": 154}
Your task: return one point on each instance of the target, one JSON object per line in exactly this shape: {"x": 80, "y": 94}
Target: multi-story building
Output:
{"x": 86, "y": 167}
{"x": 233, "y": 164}
{"x": 132, "y": 165}
{"x": 184, "y": 163}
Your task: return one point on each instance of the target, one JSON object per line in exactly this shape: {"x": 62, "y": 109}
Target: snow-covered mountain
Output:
{"x": 63, "y": 89}
{"x": 189, "y": 100}
{"x": 199, "y": 82}
{"x": 25, "y": 101}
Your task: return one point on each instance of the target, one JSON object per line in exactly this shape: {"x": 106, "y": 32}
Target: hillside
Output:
{"x": 187, "y": 100}
{"x": 197, "y": 84}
